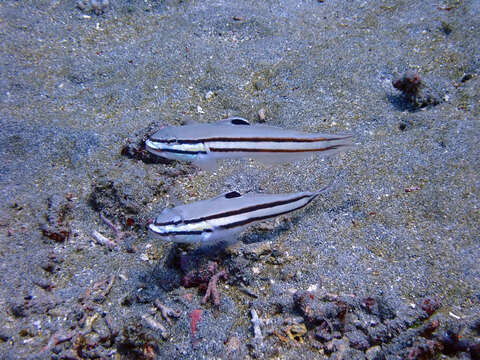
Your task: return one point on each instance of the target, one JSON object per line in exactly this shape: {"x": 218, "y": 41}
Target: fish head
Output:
{"x": 175, "y": 143}
{"x": 162, "y": 142}
{"x": 166, "y": 223}
{"x": 170, "y": 225}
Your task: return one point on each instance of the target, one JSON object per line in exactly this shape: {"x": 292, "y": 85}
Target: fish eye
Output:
{"x": 232, "y": 195}
{"x": 239, "y": 121}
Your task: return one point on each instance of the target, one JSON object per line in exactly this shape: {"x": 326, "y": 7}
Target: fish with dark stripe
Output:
{"x": 223, "y": 217}
{"x": 235, "y": 138}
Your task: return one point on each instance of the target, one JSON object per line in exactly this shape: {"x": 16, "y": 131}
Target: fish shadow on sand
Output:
{"x": 269, "y": 233}
{"x": 402, "y": 103}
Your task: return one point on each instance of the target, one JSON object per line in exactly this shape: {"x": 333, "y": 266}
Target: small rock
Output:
{"x": 378, "y": 334}
{"x": 48, "y": 266}
{"x": 232, "y": 346}
{"x": 337, "y": 346}
{"x": 316, "y": 309}
{"x": 97, "y": 6}
{"x": 259, "y": 85}
{"x": 18, "y": 309}
{"x": 414, "y": 90}
{"x": 261, "y": 115}
{"x": 430, "y": 305}
{"x": 466, "y": 77}
{"x": 234, "y": 249}
{"x": 210, "y": 94}
{"x": 409, "y": 83}
{"x": 323, "y": 332}
{"x": 58, "y": 215}
{"x": 374, "y": 353}
{"x": 358, "y": 340}
{"x": 101, "y": 328}
{"x": 446, "y": 27}
{"x": 255, "y": 250}
{"x": 4, "y": 335}
{"x": 350, "y": 354}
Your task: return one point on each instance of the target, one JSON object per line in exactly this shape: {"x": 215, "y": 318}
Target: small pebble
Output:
{"x": 373, "y": 352}
{"x": 255, "y": 250}
{"x": 209, "y": 95}
{"x": 261, "y": 114}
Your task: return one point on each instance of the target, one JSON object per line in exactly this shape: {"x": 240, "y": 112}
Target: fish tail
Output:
{"x": 338, "y": 144}
{"x": 325, "y": 146}
{"x": 326, "y": 188}
{"x": 334, "y": 184}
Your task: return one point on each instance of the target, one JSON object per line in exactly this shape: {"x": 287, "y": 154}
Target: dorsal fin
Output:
{"x": 232, "y": 195}
{"x": 235, "y": 121}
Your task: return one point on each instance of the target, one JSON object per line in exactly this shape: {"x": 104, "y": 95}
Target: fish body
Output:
{"x": 235, "y": 138}
{"x": 223, "y": 217}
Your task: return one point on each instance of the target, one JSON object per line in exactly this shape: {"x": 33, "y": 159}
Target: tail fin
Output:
{"x": 343, "y": 143}
{"x": 332, "y": 185}
{"x": 325, "y": 188}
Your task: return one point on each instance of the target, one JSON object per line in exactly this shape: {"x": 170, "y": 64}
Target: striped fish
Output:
{"x": 223, "y": 217}
{"x": 235, "y": 138}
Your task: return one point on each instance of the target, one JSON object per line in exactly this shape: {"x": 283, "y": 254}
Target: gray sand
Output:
{"x": 402, "y": 221}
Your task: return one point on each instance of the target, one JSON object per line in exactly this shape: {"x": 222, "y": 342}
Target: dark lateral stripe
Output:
{"x": 252, "y": 139}
{"x": 265, "y": 217}
{"x": 214, "y": 149}
{"x": 246, "y": 210}
{"x": 196, "y": 232}
{"x": 180, "y": 151}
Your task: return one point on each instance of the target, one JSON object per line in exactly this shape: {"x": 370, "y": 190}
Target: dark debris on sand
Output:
{"x": 416, "y": 94}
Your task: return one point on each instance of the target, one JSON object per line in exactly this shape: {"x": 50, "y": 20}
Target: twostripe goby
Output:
{"x": 223, "y": 217}
{"x": 235, "y": 138}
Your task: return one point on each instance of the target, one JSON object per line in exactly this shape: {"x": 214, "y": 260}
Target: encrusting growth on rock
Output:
{"x": 212, "y": 288}
{"x": 414, "y": 90}
{"x": 166, "y": 311}
{"x": 409, "y": 84}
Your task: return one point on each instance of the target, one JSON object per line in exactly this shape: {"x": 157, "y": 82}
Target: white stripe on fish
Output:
{"x": 235, "y": 138}
{"x": 223, "y": 217}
